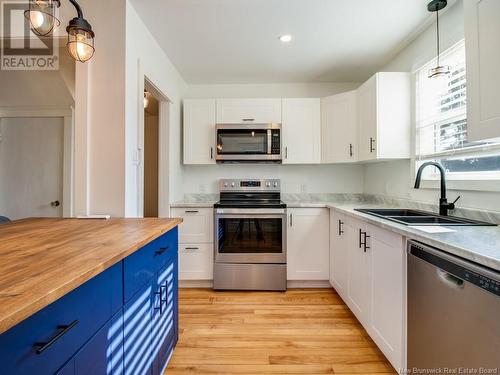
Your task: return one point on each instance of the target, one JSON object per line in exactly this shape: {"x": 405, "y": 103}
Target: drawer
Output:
{"x": 140, "y": 267}
{"x": 81, "y": 312}
{"x": 198, "y": 224}
{"x": 196, "y": 261}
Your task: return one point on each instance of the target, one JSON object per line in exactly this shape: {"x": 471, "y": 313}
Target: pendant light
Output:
{"x": 43, "y": 21}
{"x": 42, "y": 16}
{"x": 440, "y": 71}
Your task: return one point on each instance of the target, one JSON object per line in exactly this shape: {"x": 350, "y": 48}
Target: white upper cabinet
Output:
{"x": 482, "y": 41}
{"x": 339, "y": 143}
{"x": 384, "y": 117}
{"x": 199, "y": 131}
{"x": 301, "y": 131}
{"x": 308, "y": 244}
{"x": 252, "y": 111}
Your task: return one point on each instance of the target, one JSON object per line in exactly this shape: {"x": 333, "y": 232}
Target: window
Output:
{"x": 441, "y": 123}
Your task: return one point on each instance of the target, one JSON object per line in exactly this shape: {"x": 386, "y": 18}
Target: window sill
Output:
{"x": 491, "y": 185}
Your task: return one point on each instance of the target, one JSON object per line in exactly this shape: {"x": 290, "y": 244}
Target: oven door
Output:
{"x": 250, "y": 236}
{"x": 248, "y": 142}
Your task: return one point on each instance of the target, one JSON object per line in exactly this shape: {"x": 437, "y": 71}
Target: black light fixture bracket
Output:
{"x": 79, "y": 22}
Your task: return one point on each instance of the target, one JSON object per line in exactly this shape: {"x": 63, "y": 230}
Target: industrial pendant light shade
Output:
{"x": 42, "y": 16}
{"x": 440, "y": 71}
{"x": 80, "y": 39}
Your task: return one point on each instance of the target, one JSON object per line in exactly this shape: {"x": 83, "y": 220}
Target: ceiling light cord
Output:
{"x": 437, "y": 36}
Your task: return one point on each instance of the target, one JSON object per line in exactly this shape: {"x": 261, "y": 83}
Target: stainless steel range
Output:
{"x": 250, "y": 236}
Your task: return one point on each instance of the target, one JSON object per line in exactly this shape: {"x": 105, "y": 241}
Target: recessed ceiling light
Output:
{"x": 286, "y": 38}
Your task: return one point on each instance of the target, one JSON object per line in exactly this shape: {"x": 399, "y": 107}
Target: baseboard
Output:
{"x": 308, "y": 284}
{"x": 196, "y": 284}
{"x": 289, "y": 284}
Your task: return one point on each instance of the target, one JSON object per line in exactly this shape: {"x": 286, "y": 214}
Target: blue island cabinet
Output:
{"x": 122, "y": 321}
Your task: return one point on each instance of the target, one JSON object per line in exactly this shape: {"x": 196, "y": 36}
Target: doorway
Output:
{"x": 151, "y": 152}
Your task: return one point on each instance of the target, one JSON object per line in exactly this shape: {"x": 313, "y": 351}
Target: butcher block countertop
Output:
{"x": 41, "y": 260}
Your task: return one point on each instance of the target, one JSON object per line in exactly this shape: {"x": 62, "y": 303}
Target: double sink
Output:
{"x": 416, "y": 217}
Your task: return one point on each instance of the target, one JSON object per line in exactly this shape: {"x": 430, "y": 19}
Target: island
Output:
{"x": 88, "y": 296}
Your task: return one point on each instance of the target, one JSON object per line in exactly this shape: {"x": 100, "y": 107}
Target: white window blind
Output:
{"x": 441, "y": 120}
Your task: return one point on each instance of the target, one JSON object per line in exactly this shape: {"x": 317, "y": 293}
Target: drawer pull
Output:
{"x": 248, "y": 119}
{"x": 192, "y": 248}
{"x": 161, "y": 250}
{"x": 42, "y": 346}
{"x": 192, "y": 211}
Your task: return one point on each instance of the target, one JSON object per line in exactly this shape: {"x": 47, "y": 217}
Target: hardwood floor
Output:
{"x": 301, "y": 331}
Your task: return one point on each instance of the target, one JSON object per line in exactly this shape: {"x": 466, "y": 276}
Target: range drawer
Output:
{"x": 141, "y": 266}
{"x": 196, "y": 261}
{"x": 45, "y": 341}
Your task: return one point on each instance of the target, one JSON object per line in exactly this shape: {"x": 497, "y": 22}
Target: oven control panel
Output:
{"x": 250, "y": 185}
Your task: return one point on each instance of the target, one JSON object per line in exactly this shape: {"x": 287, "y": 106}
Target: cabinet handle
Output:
{"x": 191, "y": 211}
{"x": 160, "y": 293}
{"x": 248, "y": 119}
{"x": 192, "y": 248}
{"x": 341, "y": 231}
{"x": 291, "y": 220}
{"x": 286, "y": 152}
{"x": 350, "y": 150}
{"x": 42, "y": 346}
{"x": 364, "y": 244}
{"x": 211, "y": 153}
{"x": 372, "y": 141}
{"x": 161, "y": 250}
{"x": 360, "y": 234}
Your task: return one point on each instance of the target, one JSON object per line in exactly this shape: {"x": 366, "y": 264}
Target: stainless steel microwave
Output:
{"x": 248, "y": 143}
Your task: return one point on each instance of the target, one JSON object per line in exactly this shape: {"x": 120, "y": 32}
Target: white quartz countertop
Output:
{"x": 192, "y": 204}
{"x": 478, "y": 244}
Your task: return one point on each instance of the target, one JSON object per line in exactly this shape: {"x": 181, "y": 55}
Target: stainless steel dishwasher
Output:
{"x": 453, "y": 313}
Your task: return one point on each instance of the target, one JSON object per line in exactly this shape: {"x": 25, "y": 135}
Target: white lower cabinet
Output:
{"x": 308, "y": 244}
{"x": 368, "y": 270}
{"x": 196, "y": 261}
{"x": 196, "y": 233}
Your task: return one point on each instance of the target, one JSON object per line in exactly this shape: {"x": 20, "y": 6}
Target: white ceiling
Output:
{"x": 236, "y": 41}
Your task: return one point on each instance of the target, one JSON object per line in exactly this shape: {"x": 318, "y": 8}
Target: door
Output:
{"x": 164, "y": 325}
{"x": 308, "y": 244}
{"x": 199, "y": 131}
{"x": 388, "y": 296}
{"x": 359, "y": 280}
{"x": 301, "y": 130}
{"x": 137, "y": 332}
{"x": 339, "y": 252}
{"x": 482, "y": 38}
{"x": 339, "y": 128}
{"x": 31, "y": 167}
{"x": 250, "y": 238}
{"x": 248, "y": 111}
{"x": 367, "y": 120}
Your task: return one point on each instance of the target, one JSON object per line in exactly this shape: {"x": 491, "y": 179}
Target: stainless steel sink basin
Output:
{"x": 417, "y": 217}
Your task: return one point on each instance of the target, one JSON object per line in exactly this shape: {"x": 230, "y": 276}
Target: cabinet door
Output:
{"x": 248, "y": 111}
{"x": 199, "y": 131}
{"x": 197, "y": 226}
{"x": 388, "y": 299}
{"x": 308, "y": 244}
{"x": 164, "y": 325}
{"x": 339, "y": 253}
{"x": 359, "y": 279}
{"x": 196, "y": 261}
{"x": 301, "y": 129}
{"x": 482, "y": 38}
{"x": 137, "y": 317}
{"x": 367, "y": 120}
{"x": 339, "y": 143}
{"x": 103, "y": 354}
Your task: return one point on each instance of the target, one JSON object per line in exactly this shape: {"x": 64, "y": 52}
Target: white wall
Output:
{"x": 295, "y": 178}
{"x": 395, "y": 178}
{"x": 145, "y": 58}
